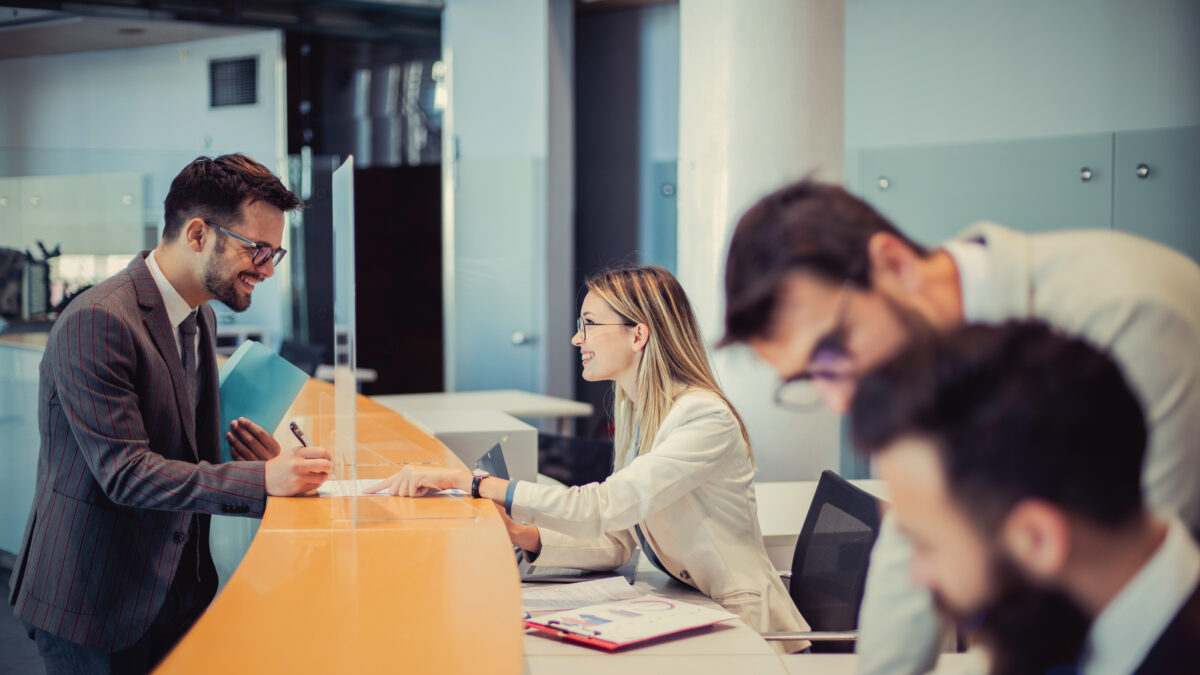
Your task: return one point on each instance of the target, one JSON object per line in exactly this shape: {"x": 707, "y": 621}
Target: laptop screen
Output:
{"x": 493, "y": 463}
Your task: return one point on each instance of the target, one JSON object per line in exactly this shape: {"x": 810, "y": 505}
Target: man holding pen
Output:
{"x": 114, "y": 566}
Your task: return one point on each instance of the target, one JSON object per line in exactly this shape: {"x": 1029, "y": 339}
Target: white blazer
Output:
{"x": 693, "y": 495}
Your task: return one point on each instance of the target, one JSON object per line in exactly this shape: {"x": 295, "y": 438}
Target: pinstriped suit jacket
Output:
{"x": 123, "y": 466}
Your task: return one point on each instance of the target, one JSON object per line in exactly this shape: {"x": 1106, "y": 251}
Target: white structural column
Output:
{"x": 761, "y": 103}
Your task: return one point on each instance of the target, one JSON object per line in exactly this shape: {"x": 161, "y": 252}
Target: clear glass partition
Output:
{"x": 344, "y": 436}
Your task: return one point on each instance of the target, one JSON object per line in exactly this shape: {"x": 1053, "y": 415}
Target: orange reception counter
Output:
{"x": 389, "y": 583}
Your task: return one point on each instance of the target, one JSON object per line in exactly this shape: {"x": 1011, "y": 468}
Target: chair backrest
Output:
{"x": 574, "y": 461}
{"x": 303, "y": 355}
{"x": 829, "y": 568}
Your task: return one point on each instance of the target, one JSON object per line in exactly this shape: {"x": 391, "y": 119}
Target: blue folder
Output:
{"x": 258, "y": 384}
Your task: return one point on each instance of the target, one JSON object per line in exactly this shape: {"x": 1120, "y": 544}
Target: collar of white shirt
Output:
{"x": 970, "y": 257}
{"x": 177, "y": 308}
{"x": 1127, "y": 629}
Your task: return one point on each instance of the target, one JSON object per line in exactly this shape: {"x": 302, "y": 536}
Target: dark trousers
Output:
{"x": 186, "y": 600}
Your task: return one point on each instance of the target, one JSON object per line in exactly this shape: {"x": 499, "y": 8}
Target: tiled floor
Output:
{"x": 18, "y": 655}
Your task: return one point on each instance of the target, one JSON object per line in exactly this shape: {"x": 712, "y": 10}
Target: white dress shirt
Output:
{"x": 177, "y": 308}
{"x": 1125, "y": 632}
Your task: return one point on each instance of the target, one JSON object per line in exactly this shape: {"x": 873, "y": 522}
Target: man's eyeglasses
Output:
{"x": 581, "y": 326}
{"x": 829, "y": 362}
{"x": 262, "y": 252}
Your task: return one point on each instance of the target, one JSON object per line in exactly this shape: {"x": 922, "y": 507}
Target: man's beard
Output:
{"x": 222, "y": 287}
{"x": 1027, "y": 627}
{"x": 916, "y": 326}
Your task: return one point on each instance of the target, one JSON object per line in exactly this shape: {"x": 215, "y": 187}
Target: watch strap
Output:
{"x": 475, "y": 481}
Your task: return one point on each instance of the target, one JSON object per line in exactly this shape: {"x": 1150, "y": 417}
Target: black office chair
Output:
{"x": 829, "y": 567}
{"x": 574, "y": 461}
{"x": 303, "y": 355}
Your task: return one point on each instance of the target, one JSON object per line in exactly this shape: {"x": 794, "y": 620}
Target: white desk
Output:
{"x": 515, "y": 402}
{"x": 471, "y": 434}
{"x": 782, "y": 507}
{"x": 729, "y": 648}
{"x": 972, "y": 663}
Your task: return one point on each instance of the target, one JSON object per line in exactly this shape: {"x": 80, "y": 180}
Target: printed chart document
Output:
{"x": 581, "y": 594}
{"x": 617, "y": 624}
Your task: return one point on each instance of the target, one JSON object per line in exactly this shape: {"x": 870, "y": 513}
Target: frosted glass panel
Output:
{"x": 344, "y": 436}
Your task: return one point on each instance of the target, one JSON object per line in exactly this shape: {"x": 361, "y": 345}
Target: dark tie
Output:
{"x": 187, "y": 332}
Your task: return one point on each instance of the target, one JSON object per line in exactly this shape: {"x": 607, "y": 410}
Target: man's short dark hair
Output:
{"x": 807, "y": 226}
{"x": 214, "y": 189}
{"x": 1015, "y": 411}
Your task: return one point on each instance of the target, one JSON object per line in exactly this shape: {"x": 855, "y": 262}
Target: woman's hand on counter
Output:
{"x": 420, "y": 480}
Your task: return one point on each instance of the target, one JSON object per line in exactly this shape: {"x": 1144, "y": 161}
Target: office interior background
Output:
{"x": 506, "y": 149}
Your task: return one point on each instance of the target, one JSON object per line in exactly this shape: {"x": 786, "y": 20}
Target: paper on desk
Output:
{"x": 349, "y": 488}
{"x": 581, "y": 594}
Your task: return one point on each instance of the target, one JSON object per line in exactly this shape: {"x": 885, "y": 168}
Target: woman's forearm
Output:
{"x": 528, "y": 537}
{"x": 493, "y": 488}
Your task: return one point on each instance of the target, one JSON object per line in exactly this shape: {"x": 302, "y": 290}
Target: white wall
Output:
{"x": 945, "y": 71}
{"x": 145, "y": 110}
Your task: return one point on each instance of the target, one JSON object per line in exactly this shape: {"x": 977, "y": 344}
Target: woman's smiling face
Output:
{"x": 607, "y": 351}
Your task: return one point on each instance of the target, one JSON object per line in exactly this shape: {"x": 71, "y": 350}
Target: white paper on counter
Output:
{"x": 349, "y": 488}
{"x": 581, "y": 594}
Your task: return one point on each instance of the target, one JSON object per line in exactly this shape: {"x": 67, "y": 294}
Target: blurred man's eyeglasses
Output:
{"x": 581, "y": 325}
{"x": 828, "y": 363}
{"x": 262, "y": 252}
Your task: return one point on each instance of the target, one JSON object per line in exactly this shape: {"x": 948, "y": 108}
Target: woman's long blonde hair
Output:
{"x": 674, "y": 352}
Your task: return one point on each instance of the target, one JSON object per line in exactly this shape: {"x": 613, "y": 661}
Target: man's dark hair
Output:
{"x": 807, "y": 226}
{"x": 1015, "y": 411}
{"x": 214, "y": 189}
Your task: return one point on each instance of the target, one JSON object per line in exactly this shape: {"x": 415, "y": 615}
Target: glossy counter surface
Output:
{"x": 410, "y": 584}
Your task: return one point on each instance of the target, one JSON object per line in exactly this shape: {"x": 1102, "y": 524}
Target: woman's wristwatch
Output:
{"x": 476, "y": 480}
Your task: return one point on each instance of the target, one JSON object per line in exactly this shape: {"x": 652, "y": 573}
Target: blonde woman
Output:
{"x": 684, "y": 486}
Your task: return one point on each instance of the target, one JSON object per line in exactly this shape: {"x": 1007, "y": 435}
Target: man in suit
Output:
{"x": 1012, "y": 457}
{"x": 824, "y": 288}
{"x": 114, "y": 566}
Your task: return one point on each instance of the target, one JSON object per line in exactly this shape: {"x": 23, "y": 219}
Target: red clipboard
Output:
{"x": 614, "y": 625}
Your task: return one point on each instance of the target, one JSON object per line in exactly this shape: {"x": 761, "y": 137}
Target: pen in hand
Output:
{"x": 298, "y": 433}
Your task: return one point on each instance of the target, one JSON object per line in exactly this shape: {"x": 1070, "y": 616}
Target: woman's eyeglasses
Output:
{"x": 262, "y": 252}
{"x": 581, "y": 325}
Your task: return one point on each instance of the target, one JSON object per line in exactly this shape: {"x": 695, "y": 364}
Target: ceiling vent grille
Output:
{"x": 233, "y": 82}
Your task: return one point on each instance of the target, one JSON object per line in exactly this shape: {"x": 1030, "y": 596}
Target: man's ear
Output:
{"x": 1037, "y": 535}
{"x": 641, "y": 335}
{"x": 194, "y": 232}
{"x": 894, "y": 264}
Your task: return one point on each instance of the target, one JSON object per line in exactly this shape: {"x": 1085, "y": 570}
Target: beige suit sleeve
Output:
{"x": 684, "y": 458}
{"x": 1159, "y": 352}
{"x": 899, "y": 632}
{"x": 606, "y": 552}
